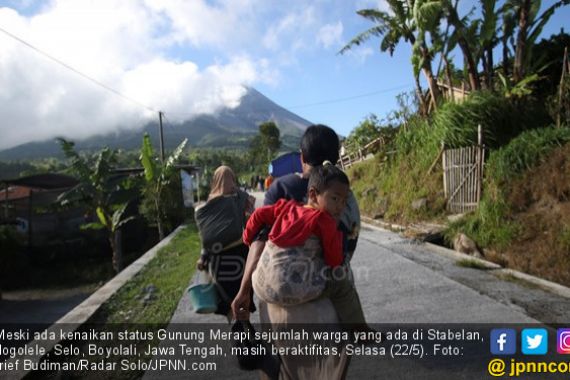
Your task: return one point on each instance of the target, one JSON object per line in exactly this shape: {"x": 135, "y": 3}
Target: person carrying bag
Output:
{"x": 220, "y": 223}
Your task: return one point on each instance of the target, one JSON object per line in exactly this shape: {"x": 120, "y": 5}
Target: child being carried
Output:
{"x": 292, "y": 269}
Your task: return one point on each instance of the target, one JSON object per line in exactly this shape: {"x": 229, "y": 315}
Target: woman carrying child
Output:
{"x": 225, "y": 262}
{"x": 319, "y": 143}
{"x": 288, "y": 277}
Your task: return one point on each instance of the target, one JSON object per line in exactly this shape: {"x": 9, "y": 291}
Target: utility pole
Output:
{"x": 161, "y": 135}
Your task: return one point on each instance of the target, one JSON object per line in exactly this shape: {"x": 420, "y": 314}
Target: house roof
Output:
{"x": 14, "y": 192}
{"x": 46, "y": 181}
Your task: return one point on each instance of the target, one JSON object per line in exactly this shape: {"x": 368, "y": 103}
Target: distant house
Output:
{"x": 285, "y": 164}
{"x": 30, "y": 203}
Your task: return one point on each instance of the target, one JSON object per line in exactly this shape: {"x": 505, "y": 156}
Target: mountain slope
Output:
{"x": 227, "y": 128}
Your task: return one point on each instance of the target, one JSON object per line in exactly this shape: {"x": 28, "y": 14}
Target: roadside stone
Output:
{"x": 455, "y": 217}
{"x": 462, "y": 243}
{"x": 381, "y": 208}
{"x": 149, "y": 289}
{"x": 148, "y": 294}
{"x": 419, "y": 203}
{"x": 148, "y": 298}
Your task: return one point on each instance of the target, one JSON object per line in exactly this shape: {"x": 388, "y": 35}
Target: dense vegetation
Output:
{"x": 522, "y": 106}
{"x": 520, "y": 102}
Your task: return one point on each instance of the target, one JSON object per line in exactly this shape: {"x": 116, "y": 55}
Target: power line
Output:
{"x": 339, "y": 100}
{"x": 112, "y": 90}
{"x": 330, "y": 101}
{"x": 77, "y": 71}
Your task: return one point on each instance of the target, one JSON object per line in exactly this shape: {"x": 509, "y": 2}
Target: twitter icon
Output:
{"x": 534, "y": 341}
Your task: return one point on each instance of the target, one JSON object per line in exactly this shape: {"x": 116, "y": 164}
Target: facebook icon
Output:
{"x": 503, "y": 341}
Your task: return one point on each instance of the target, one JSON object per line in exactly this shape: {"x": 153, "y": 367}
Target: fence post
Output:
{"x": 444, "y": 163}
{"x": 479, "y": 162}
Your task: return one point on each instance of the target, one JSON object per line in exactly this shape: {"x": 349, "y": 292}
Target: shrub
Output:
{"x": 501, "y": 119}
{"x": 490, "y": 225}
{"x": 524, "y": 152}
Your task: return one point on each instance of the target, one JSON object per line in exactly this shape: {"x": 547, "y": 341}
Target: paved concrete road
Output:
{"x": 400, "y": 281}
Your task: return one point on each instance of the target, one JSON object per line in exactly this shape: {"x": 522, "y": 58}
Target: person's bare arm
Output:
{"x": 240, "y": 304}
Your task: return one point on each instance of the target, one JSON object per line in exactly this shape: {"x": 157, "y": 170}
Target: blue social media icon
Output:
{"x": 534, "y": 341}
{"x": 503, "y": 341}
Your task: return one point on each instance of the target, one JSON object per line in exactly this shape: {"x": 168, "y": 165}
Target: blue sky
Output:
{"x": 186, "y": 57}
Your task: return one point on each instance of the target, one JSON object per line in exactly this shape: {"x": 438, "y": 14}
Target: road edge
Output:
{"x": 497, "y": 269}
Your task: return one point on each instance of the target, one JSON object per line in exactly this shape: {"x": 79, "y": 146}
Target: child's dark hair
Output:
{"x": 322, "y": 176}
{"x": 318, "y": 144}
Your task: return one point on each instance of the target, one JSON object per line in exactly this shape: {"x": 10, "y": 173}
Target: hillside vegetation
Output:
{"x": 523, "y": 220}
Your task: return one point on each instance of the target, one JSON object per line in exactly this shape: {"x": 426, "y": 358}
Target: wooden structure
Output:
{"x": 362, "y": 154}
{"x": 463, "y": 176}
{"x": 451, "y": 93}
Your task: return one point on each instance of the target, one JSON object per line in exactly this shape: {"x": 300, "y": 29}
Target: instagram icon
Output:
{"x": 563, "y": 341}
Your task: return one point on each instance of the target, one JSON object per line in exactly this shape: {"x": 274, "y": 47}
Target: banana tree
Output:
{"x": 102, "y": 192}
{"x": 524, "y": 14}
{"x": 158, "y": 175}
{"x": 392, "y": 27}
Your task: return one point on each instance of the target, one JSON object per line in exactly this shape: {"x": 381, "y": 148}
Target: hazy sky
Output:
{"x": 190, "y": 56}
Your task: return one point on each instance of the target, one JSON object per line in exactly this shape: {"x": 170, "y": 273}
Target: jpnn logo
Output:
{"x": 503, "y": 341}
{"x": 534, "y": 341}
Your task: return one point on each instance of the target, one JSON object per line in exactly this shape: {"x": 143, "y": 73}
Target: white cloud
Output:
{"x": 180, "y": 56}
{"x": 330, "y": 35}
{"x": 359, "y": 54}
{"x": 121, "y": 43}
{"x": 201, "y": 23}
{"x": 290, "y": 31}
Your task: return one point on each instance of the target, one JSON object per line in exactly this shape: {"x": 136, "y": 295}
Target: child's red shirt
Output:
{"x": 292, "y": 223}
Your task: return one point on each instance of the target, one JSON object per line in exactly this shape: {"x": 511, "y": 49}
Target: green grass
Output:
{"x": 473, "y": 264}
{"x": 564, "y": 239}
{"x": 170, "y": 272}
{"x": 490, "y": 225}
{"x": 519, "y": 281}
{"x": 500, "y": 118}
{"x": 387, "y": 185}
{"x": 405, "y": 176}
{"x": 525, "y": 152}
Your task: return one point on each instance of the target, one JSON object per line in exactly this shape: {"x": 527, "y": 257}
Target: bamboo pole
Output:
{"x": 560, "y": 89}
{"x": 480, "y": 161}
{"x": 452, "y": 178}
{"x": 444, "y": 170}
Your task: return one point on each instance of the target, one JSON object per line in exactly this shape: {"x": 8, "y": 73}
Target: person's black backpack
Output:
{"x": 221, "y": 221}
